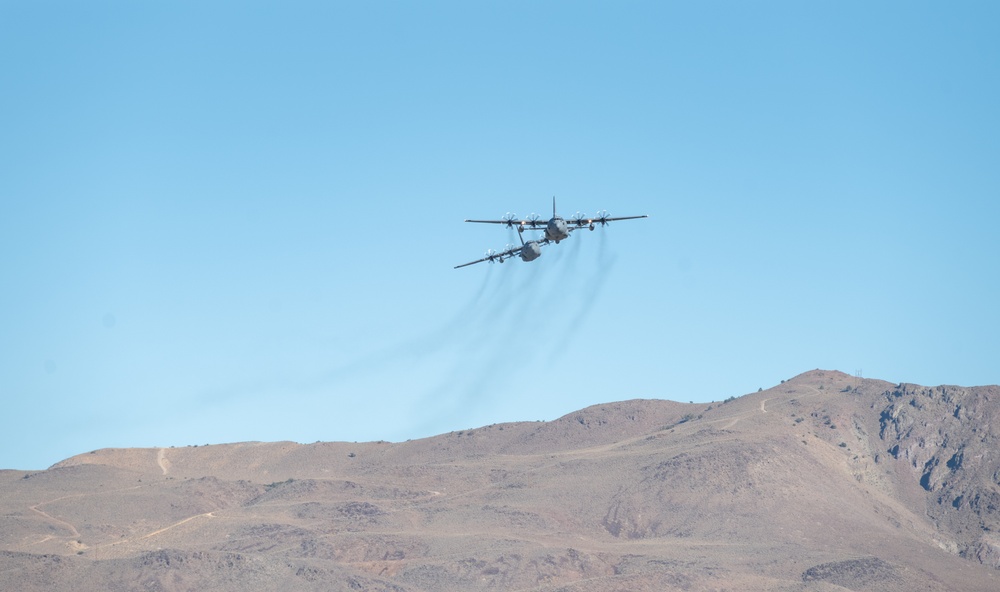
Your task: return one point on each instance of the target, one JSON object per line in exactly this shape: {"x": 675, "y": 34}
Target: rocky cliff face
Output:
{"x": 948, "y": 436}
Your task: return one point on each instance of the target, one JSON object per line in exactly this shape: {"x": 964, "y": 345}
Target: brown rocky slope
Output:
{"x": 824, "y": 482}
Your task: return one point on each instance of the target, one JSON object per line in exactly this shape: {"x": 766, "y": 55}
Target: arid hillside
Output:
{"x": 824, "y": 482}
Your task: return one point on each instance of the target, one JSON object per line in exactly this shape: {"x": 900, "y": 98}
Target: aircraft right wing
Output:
{"x": 492, "y": 256}
{"x": 606, "y": 219}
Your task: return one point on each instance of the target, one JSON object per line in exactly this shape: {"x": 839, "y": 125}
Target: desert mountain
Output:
{"x": 824, "y": 482}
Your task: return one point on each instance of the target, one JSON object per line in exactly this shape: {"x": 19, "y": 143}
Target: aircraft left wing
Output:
{"x": 519, "y": 224}
{"x": 512, "y": 221}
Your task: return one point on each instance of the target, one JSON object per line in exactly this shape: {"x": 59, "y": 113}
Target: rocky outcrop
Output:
{"x": 948, "y": 437}
{"x": 853, "y": 574}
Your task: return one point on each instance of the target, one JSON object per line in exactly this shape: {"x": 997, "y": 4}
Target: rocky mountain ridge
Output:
{"x": 823, "y": 482}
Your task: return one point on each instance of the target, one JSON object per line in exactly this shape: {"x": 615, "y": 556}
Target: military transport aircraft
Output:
{"x": 528, "y": 251}
{"x": 555, "y": 229}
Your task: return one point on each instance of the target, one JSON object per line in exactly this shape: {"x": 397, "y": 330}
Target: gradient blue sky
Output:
{"x": 228, "y": 221}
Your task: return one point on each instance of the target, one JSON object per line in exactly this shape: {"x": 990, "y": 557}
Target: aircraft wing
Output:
{"x": 514, "y": 222}
{"x": 575, "y": 223}
{"x": 491, "y": 257}
{"x": 622, "y": 218}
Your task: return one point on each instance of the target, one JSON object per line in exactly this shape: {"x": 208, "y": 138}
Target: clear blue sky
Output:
{"x": 229, "y": 221}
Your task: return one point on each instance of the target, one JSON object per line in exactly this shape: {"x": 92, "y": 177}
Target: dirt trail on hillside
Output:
{"x": 74, "y": 532}
{"x": 161, "y": 460}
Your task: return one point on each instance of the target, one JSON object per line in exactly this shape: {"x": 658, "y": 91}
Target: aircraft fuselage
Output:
{"x": 556, "y": 229}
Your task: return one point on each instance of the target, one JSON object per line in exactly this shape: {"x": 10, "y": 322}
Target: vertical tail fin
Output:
{"x": 553, "y": 206}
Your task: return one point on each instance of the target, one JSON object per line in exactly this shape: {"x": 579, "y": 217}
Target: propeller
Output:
{"x": 533, "y": 219}
{"x": 580, "y": 219}
{"x": 602, "y": 218}
{"x": 509, "y": 219}
{"x": 491, "y": 255}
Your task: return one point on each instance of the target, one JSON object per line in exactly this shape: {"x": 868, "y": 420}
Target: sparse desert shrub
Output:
{"x": 278, "y": 484}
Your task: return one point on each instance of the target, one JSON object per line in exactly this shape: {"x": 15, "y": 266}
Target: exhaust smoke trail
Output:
{"x": 516, "y": 321}
{"x": 530, "y": 325}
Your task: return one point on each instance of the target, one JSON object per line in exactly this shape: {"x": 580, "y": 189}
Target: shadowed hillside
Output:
{"x": 824, "y": 482}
